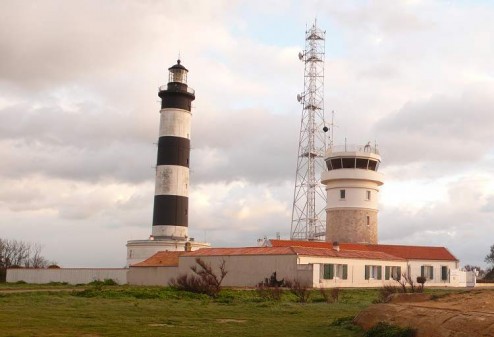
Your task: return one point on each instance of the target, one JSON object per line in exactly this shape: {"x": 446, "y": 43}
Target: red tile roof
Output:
{"x": 161, "y": 259}
{"x": 401, "y": 251}
{"x": 287, "y": 250}
{"x": 242, "y": 251}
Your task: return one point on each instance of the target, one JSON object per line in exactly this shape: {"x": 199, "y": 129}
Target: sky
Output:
{"x": 79, "y": 117}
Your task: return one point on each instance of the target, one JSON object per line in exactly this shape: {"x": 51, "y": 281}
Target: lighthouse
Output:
{"x": 170, "y": 224}
{"x": 352, "y": 189}
{"x": 171, "y": 197}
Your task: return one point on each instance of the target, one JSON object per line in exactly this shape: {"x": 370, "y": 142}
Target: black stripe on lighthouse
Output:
{"x": 171, "y": 210}
{"x": 173, "y": 151}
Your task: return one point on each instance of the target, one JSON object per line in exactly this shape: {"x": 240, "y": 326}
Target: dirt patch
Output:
{"x": 465, "y": 314}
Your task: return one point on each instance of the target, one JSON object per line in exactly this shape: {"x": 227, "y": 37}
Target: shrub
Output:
{"x": 53, "y": 266}
{"x": 421, "y": 280}
{"x": 383, "y": 329}
{"x": 300, "y": 290}
{"x": 331, "y": 295}
{"x": 346, "y": 323}
{"x": 386, "y": 291}
{"x": 203, "y": 280}
{"x": 273, "y": 281}
{"x": 269, "y": 293}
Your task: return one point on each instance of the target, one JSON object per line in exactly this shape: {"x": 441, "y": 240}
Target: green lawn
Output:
{"x": 154, "y": 311}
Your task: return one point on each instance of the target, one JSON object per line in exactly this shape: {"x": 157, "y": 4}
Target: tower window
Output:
{"x": 342, "y": 194}
{"x": 368, "y": 220}
{"x": 367, "y": 195}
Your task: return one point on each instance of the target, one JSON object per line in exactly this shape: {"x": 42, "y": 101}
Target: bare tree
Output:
{"x": 203, "y": 280}
{"x": 489, "y": 258}
{"x": 21, "y": 254}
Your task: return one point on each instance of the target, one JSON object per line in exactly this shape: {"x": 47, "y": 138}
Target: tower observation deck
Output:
{"x": 352, "y": 188}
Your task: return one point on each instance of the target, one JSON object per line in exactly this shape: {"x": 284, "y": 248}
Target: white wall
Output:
{"x": 415, "y": 271}
{"x": 248, "y": 270}
{"x": 356, "y": 272}
{"x": 151, "y": 276}
{"x": 69, "y": 275}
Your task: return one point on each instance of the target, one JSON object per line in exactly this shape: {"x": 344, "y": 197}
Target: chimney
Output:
{"x": 336, "y": 246}
{"x": 188, "y": 246}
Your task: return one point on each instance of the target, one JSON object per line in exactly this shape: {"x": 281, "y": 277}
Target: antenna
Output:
{"x": 309, "y": 198}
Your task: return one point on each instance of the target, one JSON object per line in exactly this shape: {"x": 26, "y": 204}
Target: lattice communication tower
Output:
{"x": 309, "y": 201}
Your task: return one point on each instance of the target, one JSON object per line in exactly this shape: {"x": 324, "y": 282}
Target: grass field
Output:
{"x": 154, "y": 311}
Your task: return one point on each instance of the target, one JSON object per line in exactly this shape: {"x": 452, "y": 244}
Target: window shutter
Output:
{"x": 345, "y": 271}
{"x": 432, "y": 272}
{"x": 379, "y": 272}
{"x": 326, "y": 271}
{"x": 386, "y": 272}
{"x": 422, "y": 269}
{"x": 366, "y": 272}
{"x": 398, "y": 277}
{"x": 331, "y": 271}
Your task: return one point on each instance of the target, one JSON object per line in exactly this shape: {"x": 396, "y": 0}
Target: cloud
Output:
{"x": 443, "y": 133}
{"x": 79, "y": 114}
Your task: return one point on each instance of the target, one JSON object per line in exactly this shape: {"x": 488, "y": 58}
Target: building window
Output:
{"x": 332, "y": 271}
{"x": 444, "y": 273}
{"x": 367, "y": 195}
{"x": 368, "y": 221}
{"x": 427, "y": 272}
{"x": 392, "y": 273}
{"x": 373, "y": 272}
{"x": 342, "y": 194}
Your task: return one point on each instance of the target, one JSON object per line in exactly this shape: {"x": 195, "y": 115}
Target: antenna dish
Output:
{"x": 300, "y": 56}
{"x": 325, "y": 129}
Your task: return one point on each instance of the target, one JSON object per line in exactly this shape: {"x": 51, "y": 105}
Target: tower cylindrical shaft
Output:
{"x": 352, "y": 186}
{"x": 171, "y": 199}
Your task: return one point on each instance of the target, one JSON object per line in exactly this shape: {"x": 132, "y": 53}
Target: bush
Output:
{"x": 203, "y": 280}
{"x": 383, "y": 329}
{"x": 105, "y": 282}
{"x": 386, "y": 291}
{"x": 421, "y": 280}
{"x": 331, "y": 295}
{"x": 269, "y": 293}
{"x": 53, "y": 266}
{"x": 300, "y": 290}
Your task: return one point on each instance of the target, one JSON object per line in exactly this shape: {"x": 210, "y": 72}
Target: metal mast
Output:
{"x": 309, "y": 200}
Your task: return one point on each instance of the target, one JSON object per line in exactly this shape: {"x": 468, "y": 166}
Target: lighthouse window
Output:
{"x": 367, "y": 195}
{"x": 373, "y": 165}
{"x": 362, "y": 163}
{"x": 342, "y": 194}
{"x": 368, "y": 221}
{"x": 348, "y": 162}
{"x": 336, "y": 163}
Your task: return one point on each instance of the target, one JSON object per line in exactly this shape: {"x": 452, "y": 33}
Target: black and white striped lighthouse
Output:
{"x": 171, "y": 197}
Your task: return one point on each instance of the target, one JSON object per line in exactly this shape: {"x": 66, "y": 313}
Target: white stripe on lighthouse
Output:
{"x": 172, "y": 180}
{"x": 175, "y": 122}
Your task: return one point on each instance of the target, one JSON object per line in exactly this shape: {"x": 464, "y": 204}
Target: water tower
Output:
{"x": 352, "y": 189}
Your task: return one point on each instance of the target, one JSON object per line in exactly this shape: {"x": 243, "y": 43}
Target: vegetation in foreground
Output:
{"x": 111, "y": 310}
{"x": 100, "y": 310}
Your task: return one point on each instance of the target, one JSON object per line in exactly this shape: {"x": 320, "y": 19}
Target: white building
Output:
{"x": 316, "y": 264}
